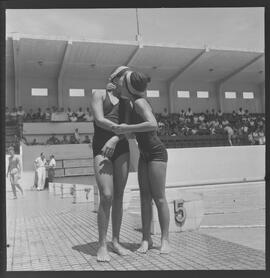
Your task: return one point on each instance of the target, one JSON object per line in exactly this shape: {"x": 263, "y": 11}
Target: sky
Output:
{"x": 228, "y": 28}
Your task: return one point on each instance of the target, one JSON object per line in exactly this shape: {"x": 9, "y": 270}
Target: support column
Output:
{"x": 219, "y": 95}
{"x": 171, "y": 107}
{"x": 16, "y": 56}
{"x": 63, "y": 66}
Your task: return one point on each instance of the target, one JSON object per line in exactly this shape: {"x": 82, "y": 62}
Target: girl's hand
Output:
{"x": 109, "y": 147}
{"x": 120, "y": 129}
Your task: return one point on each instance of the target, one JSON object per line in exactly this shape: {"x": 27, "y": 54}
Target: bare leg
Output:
{"x": 13, "y": 186}
{"x": 120, "y": 175}
{"x": 19, "y": 187}
{"x": 104, "y": 176}
{"x": 157, "y": 179}
{"x": 146, "y": 206}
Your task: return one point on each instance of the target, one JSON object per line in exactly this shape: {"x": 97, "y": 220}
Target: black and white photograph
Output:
{"x": 135, "y": 139}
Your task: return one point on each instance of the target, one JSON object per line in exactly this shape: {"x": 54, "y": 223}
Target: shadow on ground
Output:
{"x": 92, "y": 247}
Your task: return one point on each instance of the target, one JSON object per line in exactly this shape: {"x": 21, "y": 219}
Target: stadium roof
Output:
{"x": 55, "y": 57}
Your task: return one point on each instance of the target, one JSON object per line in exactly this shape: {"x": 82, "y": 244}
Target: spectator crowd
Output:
{"x": 235, "y": 125}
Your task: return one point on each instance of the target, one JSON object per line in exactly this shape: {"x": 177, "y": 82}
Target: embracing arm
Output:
{"x": 145, "y": 111}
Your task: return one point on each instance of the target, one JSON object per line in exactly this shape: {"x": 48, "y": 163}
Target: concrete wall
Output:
{"x": 10, "y": 92}
{"x": 193, "y": 166}
{"x": 253, "y": 105}
{"x": 196, "y": 104}
{"x": 34, "y": 102}
{"x": 57, "y": 128}
{"x": 158, "y": 104}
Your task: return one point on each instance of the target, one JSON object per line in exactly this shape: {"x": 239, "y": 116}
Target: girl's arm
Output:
{"x": 145, "y": 111}
{"x": 100, "y": 120}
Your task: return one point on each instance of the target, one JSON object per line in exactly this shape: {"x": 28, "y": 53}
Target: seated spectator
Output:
{"x": 86, "y": 140}
{"x": 20, "y": 114}
{"x": 201, "y": 117}
{"x": 261, "y": 136}
{"x": 64, "y": 140}
{"x": 80, "y": 115}
{"x": 38, "y": 116}
{"x": 29, "y": 116}
{"x": 72, "y": 139}
{"x": 73, "y": 117}
{"x": 48, "y": 115}
{"x": 165, "y": 113}
{"x": 244, "y": 129}
{"x": 13, "y": 115}
{"x": 202, "y": 130}
{"x": 60, "y": 115}
{"x": 246, "y": 113}
{"x": 7, "y": 116}
{"x": 251, "y": 139}
{"x": 88, "y": 117}
{"x": 34, "y": 142}
{"x": 207, "y": 115}
{"x": 195, "y": 119}
{"x": 53, "y": 140}
{"x": 77, "y": 136}
{"x": 213, "y": 114}
{"x": 182, "y": 113}
{"x": 219, "y": 113}
{"x": 189, "y": 112}
{"x": 240, "y": 112}
{"x": 225, "y": 122}
{"x": 69, "y": 113}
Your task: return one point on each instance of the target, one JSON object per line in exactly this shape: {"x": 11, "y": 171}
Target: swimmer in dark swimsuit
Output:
{"x": 153, "y": 154}
{"x": 111, "y": 165}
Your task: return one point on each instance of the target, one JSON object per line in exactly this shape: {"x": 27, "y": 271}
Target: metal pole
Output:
{"x": 137, "y": 21}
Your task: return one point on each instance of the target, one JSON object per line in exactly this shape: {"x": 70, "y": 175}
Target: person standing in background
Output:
{"x": 51, "y": 168}
{"x": 14, "y": 170}
{"x": 40, "y": 164}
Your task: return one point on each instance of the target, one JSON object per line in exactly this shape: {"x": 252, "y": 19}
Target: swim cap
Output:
{"x": 137, "y": 82}
{"x": 118, "y": 72}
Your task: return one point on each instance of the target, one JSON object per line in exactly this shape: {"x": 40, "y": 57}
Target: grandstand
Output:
{"x": 45, "y": 72}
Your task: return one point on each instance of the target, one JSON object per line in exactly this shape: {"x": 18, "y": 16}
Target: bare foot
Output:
{"x": 103, "y": 255}
{"x": 145, "y": 246}
{"x": 120, "y": 250}
{"x": 165, "y": 247}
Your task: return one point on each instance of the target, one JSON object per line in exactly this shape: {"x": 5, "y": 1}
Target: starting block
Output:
{"x": 186, "y": 212}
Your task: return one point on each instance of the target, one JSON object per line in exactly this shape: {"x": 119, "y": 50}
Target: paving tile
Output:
{"x": 48, "y": 233}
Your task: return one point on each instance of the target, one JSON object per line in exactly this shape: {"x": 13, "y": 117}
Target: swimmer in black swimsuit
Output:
{"x": 111, "y": 165}
{"x": 153, "y": 154}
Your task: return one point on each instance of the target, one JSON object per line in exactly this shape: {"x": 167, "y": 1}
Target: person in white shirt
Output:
{"x": 189, "y": 112}
{"x": 51, "y": 168}
{"x": 40, "y": 170}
